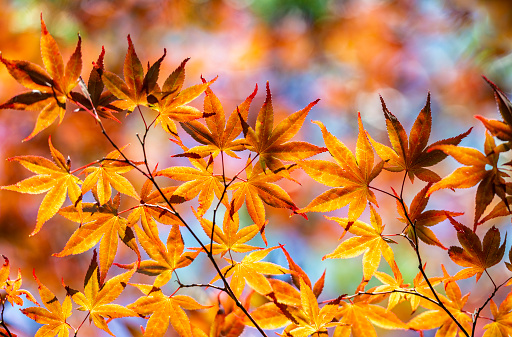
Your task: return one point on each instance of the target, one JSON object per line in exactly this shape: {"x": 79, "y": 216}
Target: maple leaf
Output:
{"x": 422, "y": 219}
{"x": 53, "y": 177}
{"x": 309, "y": 319}
{"x": 360, "y": 316}
{"x": 98, "y": 223}
{"x": 96, "y": 299}
{"x": 368, "y": 240}
{"x": 474, "y": 254}
{"x": 391, "y": 284}
{"x": 199, "y": 180}
{"x": 298, "y": 310}
{"x": 165, "y": 259}
{"x": 164, "y": 309}
{"x": 412, "y": 155}
{"x": 108, "y": 175}
{"x": 136, "y": 87}
{"x": 54, "y": 316}
{"x": 49, "y": 89}
{"x": 436, "y": 317}
{"x": 491, "y": 182}
{"x": 218, "y": 135}
{"x": 259, "y": 187}
{"x": 272, "y": 145}
{"x": 502, "y": 323}
{"x": 13, "y": 287}
{"x": 230, "y": 237}
{"x": 94, "y": 98}
{"x": 350, "y": 175}
{"x": 172, "y": 101}
{"x": 313, "y": 320}
{"x": 251, "y": 271}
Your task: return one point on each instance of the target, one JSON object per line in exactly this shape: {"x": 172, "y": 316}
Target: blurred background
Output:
{"x": 345, "y": 52}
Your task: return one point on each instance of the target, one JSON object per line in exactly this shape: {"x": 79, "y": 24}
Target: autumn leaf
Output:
{"x": 313, "y": 320}
{"x": 172, "y": 101}
{"x": 350, "y": 175}
{"x": 368, "y": 239}
{"x": 422, "y": 219}
{"x": 360, "y": 316}
{"x": 94, "y": 98}
{"x": 436, "y": 317}
{"x": 257, "y": 189}
{"x": 108, "y": 175}
{"x": 49, "y": 89}
{"x": 218, "y": 135}
{"x": 53, "y": 177}
{"x": 502, "y": 323}
{"x": 230, "y": 237}
{"x": 96, "y": 299}
{"x": 136, "y": 87}
{"x": 251, "y": 271}
{"x": 165, "y": 259}
{"x": 199, "y": 180}
{"x": 54, "y": 316}
{"x": 412, "y": 155}
{"x": 391, "y": 284}
{"x": 163, "y": 309}
{"x": 272, "y": 145}
{"x": 99, "y": 223}
{"x": 474, "y": 254}
{"x": 490, "y": 181}
{"x": 13, "y": 287}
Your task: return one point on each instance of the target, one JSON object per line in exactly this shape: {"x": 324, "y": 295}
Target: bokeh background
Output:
{"x": 345, "y": 52}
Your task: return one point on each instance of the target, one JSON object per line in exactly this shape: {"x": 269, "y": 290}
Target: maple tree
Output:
{"x": 266, "y": 155}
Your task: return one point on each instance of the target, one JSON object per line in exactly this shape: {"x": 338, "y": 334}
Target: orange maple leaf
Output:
{"x": 368, "y": 240}
{"x": 53, "y": 177}
{"x": 360, "y": 316}
{"x": 230, "y": 237}
{"x": 199, "y": 180}
{"x": 163, "y": 309}
{"x": 137, "y": 87}
{"x": 474, "y": 254}
{"x": 491, "y": 181}
{"x": 96, "y": 299}
{"x": 272, "y": 145}
{"x": 54, "y": 316}
{"x": 165, "y": 259}
{"x": 49, "y": 89}
{"x": 259, "y": 187}
{"x": 108, "y": 175}
{"x": 99, "y": 223}
{"x": 412, "y": 155}
{"x": 218, "y": 135}
{"x": 350, "y": 175}
{"x": 251, "y": 271}
{"x": 502, "y": 322}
